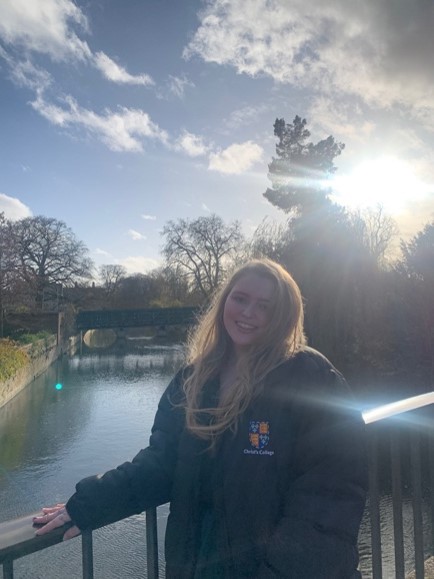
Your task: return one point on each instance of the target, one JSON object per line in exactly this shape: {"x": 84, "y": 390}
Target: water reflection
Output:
{"x": 50, "y": 439}
{"x": 30, "y": 423}
{"x": 99, "y": 338}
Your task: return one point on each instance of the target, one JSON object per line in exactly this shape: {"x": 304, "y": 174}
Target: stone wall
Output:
{"x": 41, "y": 354}
{"x": 72, "y": 345}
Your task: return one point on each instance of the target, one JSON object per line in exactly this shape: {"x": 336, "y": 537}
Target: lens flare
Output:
{"x": 398, "y": 407}
{"x": 386, "y": 181}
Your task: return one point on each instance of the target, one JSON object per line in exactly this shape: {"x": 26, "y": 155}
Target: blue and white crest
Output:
{"x": 259, "y": 433}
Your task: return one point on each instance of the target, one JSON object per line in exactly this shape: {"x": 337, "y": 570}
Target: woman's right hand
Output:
{"x": 53, "y": 517}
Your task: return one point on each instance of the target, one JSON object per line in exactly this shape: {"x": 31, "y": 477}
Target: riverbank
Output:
{"x": 41, "y": 355}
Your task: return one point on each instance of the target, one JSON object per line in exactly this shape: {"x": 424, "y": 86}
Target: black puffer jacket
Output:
{"x": 288, "y": 488}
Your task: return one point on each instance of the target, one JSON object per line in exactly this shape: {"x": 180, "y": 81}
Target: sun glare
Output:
{"x": 387, "y": 182}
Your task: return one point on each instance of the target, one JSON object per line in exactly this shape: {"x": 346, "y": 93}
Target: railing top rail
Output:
{"x": 17, "y": 538}
{"x": 398, "y": 407}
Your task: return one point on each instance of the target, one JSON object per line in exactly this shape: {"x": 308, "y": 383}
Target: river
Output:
{"x": 101, "y": 416}
{"x": 49, "y": 439}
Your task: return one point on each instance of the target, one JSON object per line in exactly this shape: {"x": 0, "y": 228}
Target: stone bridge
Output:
{"x": 118, "y": 319}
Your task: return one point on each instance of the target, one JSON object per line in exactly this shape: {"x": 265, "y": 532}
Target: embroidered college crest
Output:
{"x": 259, "y": 433}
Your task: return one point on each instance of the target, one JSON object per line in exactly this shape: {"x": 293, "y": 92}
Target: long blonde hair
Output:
{"x": 210, "y": 345}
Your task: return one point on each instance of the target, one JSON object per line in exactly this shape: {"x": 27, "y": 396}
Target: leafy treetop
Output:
{"x": 301, "y": 168}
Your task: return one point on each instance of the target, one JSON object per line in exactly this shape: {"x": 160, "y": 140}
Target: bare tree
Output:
{"x": 377, "y": 232}
{"x": 271, "y": 239}
{"x": 171, "y": 289}
{"x": 158, "y": 288}
{"x": 49, "y": 253}
{"x": 202, "y": 249}
{"x": 8, "y": 266}
{"x": 111, "y": 276}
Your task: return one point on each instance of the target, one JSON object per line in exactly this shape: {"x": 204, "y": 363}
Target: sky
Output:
{"x": 117, "y": 117}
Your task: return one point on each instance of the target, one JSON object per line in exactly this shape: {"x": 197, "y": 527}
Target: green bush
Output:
{"x": 12, "y": 359}
{"x": 25, "y": 339}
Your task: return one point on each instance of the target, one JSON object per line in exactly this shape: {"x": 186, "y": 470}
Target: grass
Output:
{"x": 25, "y": 339}
{"x": 12, "y": 359}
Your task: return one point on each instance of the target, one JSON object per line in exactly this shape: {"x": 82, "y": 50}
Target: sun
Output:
{"x": 385, "y": 181}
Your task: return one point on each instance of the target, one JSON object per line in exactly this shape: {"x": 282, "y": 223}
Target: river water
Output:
{"x": 51, "y": 438}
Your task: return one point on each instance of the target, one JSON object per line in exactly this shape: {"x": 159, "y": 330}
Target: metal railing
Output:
{"x": 401, "y": 457}
{"x": 18, "y": 539}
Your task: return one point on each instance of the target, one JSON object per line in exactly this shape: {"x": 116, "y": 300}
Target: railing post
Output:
{"x": 398, "y": 533}
{"x": 152, "y": 543}
{"x": 431, "y": 483}
{"x": 374, "y": 505}
{"x": 8, "y": 569}
{"x": 416, "y": 479}
{"x": 87, "y": 554}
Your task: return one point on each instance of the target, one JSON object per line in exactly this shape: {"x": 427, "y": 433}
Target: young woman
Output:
{"x": 255, "y": 445}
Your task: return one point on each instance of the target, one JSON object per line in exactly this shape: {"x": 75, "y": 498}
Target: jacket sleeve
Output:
{"x": 324, "y": 499}
{"x": 144, "y": 482}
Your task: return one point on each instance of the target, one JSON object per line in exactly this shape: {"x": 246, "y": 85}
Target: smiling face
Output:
{"x": 247, "y": 309}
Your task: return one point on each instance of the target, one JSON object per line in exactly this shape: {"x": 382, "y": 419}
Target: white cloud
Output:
{"x": 175, "y": 86}
{"x": 13, "y": 208}
{"x": 178, "y": 84}
{"x": 49, "y": 27}
{"x": 339, "y": 116}
{"x": 44, "y": 26}
{"x": 139, "y": 264}
{"x": 136, "y": 235}
{"x": 26, "y": 74}
{"x": 148, "y": 217}
{"x": 380, "y": 52}
{"x": 244, "y": 116}
{"x": 236, "y": 159}
{"x": 99, "y": 251}
{"x": 120, "y": 131}
{"x": 191, "y": 144}
{"x": 112, "y": 71}
{"x": 206, "y": 208}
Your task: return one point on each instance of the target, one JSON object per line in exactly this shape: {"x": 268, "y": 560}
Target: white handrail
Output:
{"x": 388, "y": 410}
